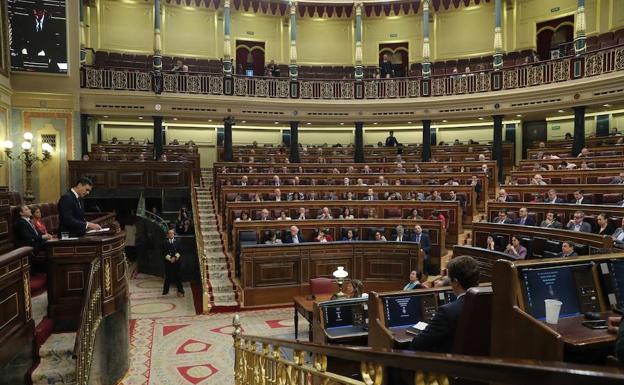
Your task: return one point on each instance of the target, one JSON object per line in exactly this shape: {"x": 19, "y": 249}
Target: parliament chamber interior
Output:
{"x": 357, "y": 192}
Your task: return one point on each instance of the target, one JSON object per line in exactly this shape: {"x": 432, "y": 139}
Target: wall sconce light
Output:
{"x": 29, "y": 159}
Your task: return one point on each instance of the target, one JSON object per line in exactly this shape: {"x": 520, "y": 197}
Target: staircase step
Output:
{"x": 60, "y": 344}
{"x": 57, "y": 365}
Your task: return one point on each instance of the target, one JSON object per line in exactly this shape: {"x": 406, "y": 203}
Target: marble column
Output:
{"x": 359, "y": 67}
{"x": 498, "y": 35}
{"x": 497, "y": 146}
{"x": 157, "y": 60}
{"x": 294, "y": 142}
{"x": 426, "y": 65}
{"x": 579, "y": 130}
{"x": 83, "y": 35}
{"x": 359, "y": 143}
{"x": 293, "y": 70}
{"x": 84, "y": 134}
{"x": 580, "y": 44}
{"x": 227, "y": 139}
{"x": 158, "y": 137}
{"x": 227, "y": 44}
{"x": 426, "y": 140}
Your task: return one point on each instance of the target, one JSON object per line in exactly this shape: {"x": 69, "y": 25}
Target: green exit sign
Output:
{"x": 250, "y": 33}
{"x": 556, "y": 9}
{"x": 555, "y": 128}
{"x": 394, "y": 35}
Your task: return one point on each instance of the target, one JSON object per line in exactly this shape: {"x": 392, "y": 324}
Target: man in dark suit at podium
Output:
{"x": 26, "y": 234}
{"x": 439, "y": 334}
{"x": 71, "y": 209}
{"x": 172, "y": 263}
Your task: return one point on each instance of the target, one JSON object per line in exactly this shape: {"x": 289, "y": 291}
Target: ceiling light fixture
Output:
{"x": 606, "y": 105}
{"x": 561, "y": 111}
{"x": 140, "y": 118}
{"x": 480, "y": 118}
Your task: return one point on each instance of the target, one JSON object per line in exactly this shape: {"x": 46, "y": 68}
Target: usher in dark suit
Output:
{"x": 71, "y": 215}
{"x": 172, "y": 270}
{"x": 439, "y": 335}
{"x": 26, "y": 235}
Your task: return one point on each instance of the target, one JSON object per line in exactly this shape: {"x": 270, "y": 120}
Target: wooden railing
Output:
{"x": 90, "y": 317}
{"x": 527, "y": 75}
{"x": 201, "y": 254}
{"x": 261, "y": 360}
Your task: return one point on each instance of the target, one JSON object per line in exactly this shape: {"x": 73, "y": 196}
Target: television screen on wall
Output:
{"x": 38, "y": 35}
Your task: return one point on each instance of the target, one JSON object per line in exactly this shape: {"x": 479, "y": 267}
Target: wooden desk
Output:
{"x": 517, "y": 334}
{"x": 304, "y": 305}
{"x": 273, "y": 275}
{"x": 578, "y": 338}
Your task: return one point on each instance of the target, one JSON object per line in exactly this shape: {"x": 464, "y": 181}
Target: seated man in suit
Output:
{"x": 502, "y": 218}
{"x": 551, "y": 221}
{"x": 578, "y": 224}
{"x": 71, "y": 209}
{"x": 26, "y": 234}
{"x": 524, "y": 219}
{"x": 618, "y": 235}
{"x": 580, "y": 199}
{"x": 552, "y": 197}
{"x": 294, "y": 236}
{"x": 567, "y": 250}
{"x": 173, "y": 254}
{"x": 370, "y": 195}
{"x": 400, "y": 235}
{"x": 503, "y": 197}
{"x": 439, "y": 335}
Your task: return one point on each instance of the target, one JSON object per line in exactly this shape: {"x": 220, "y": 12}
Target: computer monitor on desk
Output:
{"x": 573, "y": 285}
{"x": 406, "y": 310}
{"x": 345, "y": 318}
{"x": 612, "y": 274}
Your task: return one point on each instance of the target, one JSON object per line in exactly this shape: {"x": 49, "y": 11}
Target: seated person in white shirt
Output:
{"x": 325, "y": 214}
{"x": 618, "y": 235}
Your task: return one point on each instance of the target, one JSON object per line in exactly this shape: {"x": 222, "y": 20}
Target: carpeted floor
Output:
{"x": 170, "y": 345}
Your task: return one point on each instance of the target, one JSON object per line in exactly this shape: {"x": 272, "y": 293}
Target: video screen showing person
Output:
{"x": 403, "y": 311}
{"x": 339, "y": 316}
{"x": 551, "y": 283}
{"x": 38, "y": 35}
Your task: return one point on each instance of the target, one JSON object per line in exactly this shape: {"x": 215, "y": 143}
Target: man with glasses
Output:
{"x": 578, "y": 224}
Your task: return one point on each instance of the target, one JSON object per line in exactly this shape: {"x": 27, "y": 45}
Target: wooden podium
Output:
{"x": 69, "y": 268}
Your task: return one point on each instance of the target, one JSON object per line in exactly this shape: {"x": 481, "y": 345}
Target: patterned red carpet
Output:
{"x": 170, "y": 345}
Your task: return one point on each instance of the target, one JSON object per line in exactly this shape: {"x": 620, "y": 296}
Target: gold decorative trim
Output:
{"x": 27, "y": 307}
{"x": 108, "y": 280}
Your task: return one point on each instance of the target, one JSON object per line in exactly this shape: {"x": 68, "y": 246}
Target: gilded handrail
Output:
{"x": 261, "y": 360}
{"x": 90, "y": 317}
{"x": 201, "y": 254}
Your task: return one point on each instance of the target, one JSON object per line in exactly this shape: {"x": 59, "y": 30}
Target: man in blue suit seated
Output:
{"x": 439, "y": 334}
{"x": 524, "y": 219}
{"x": 294, "y": 236}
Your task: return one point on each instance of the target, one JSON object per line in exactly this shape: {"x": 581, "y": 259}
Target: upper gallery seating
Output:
{"x": 143, "y": 62}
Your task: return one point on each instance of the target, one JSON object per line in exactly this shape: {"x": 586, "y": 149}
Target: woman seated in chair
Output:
{"x": 350, "y": 236}
{"x": 604, "y": 225}
{"x": 272, "y": 239}
{"x": 323, "y": 236}
{"x": 490, "y": 244}
{"x": 346, "y": 213}
{"x": 38, "y": 222}
{"x": 515, "y": 249}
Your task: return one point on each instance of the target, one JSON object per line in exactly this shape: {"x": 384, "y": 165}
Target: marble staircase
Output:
{"x": 220, "y": 284}
{"x": 56, "y": 366}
